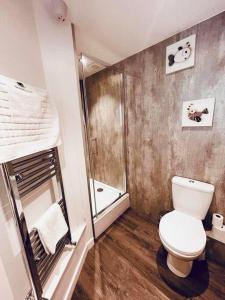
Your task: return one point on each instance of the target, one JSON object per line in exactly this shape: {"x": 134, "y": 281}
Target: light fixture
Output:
{"x": 83, "y": 59}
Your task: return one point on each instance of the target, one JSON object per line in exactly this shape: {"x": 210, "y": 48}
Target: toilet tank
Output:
{"x": 191, "y": 197}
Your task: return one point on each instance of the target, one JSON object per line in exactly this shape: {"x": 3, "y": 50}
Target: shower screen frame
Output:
{"x": 91, "y": 172}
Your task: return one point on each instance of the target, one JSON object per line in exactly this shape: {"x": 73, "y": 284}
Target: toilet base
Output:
{"x": 179, "y": 267}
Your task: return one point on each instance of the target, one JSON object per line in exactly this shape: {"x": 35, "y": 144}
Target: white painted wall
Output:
{"x": 60, "y": 68}
{"x": 62, "y": 81}
{"x": 19, "y": 47}
{"x": 40, "y": 52}
{"x": 20, "y": 58}
{"x": 14, "y": 283}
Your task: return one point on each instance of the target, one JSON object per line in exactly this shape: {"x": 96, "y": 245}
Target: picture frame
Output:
{"x": 198, "y": 113}
{"x": 181, "y": 55}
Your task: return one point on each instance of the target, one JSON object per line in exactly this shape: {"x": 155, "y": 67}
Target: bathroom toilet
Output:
{"x": 181, "y": 231}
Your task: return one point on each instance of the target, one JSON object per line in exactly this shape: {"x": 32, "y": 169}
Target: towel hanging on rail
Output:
{"x": 28, "y": 120}
{"x": 51, "y": 228}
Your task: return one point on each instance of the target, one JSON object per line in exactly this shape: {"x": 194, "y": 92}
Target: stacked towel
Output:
{"x": 28, "y": 120}
{"x": 51, "y": 228}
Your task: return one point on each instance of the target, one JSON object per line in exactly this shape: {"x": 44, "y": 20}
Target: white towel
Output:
{"x": 28, "y": 120}
{"x": 51, "y": 228}
{"x": 27, "y": 103}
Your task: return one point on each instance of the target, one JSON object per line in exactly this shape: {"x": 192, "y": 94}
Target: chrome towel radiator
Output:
{"x": 23, "y": 176}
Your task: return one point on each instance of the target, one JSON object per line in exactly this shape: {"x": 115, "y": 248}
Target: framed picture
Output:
{"x": 180, "y": 55}
{"x": 198, "y": 112}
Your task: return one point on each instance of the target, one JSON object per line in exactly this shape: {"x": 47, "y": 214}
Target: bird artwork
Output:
{"x": 198, "y": 113}
{"x": 183, "y": 53}
{"x": 194, "y": 114}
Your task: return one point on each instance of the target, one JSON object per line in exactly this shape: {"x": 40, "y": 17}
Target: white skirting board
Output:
{"x": 108, "y": 216}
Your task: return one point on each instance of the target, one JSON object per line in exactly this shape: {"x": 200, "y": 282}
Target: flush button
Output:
{"x": 191, "y": 181}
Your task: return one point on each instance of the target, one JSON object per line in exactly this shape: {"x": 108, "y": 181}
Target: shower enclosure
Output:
{"x": 103, "y": 105}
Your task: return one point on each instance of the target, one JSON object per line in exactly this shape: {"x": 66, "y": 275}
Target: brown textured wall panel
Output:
{"x": 157, "y": 146}
{"x": 106, "y": 127}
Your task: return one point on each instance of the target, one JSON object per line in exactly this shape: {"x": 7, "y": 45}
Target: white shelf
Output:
{"x": 57, "y": 272}
{"x": 219, "y": 236}
{"x": 60, "y": 268}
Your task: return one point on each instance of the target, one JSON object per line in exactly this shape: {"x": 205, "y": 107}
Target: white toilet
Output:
{"x": 181, "y": 231}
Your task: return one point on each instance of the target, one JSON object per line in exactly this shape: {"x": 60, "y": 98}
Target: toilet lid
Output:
{"x": 183, "y": 233}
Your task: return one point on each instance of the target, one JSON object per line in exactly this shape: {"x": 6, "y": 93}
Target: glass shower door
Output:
{"x": 104, "y": 110}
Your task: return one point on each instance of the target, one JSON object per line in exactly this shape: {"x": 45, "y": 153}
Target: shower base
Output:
{"x": 105, "y": 195}
{"x": 109, "y": 205}
{"x": 110, "y": 214}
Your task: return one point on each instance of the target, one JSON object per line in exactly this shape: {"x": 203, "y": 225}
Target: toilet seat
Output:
{"x": 182, "y": 233}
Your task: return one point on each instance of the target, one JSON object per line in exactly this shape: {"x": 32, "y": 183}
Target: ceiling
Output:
{"x": 112, "y": 30}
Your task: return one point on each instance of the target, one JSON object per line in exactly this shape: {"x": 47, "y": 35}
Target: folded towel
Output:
{"x": 28, "y": 120}
{"x": 51, "y": 228}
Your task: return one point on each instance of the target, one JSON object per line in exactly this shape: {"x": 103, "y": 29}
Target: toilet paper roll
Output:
{"x": 217, "y": 220}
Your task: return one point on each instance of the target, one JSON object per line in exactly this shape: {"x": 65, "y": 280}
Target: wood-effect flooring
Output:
{"x": 129, "y": 262}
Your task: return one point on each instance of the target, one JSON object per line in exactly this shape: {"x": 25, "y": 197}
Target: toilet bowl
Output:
{"x": 181, "y": 231}
{"x": 184, "y": 238}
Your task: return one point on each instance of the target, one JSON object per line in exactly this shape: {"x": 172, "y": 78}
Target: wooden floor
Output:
{"x": 128, "y": 262}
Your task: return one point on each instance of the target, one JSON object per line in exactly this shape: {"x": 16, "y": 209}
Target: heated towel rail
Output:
{"x": 23, "y": 176}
